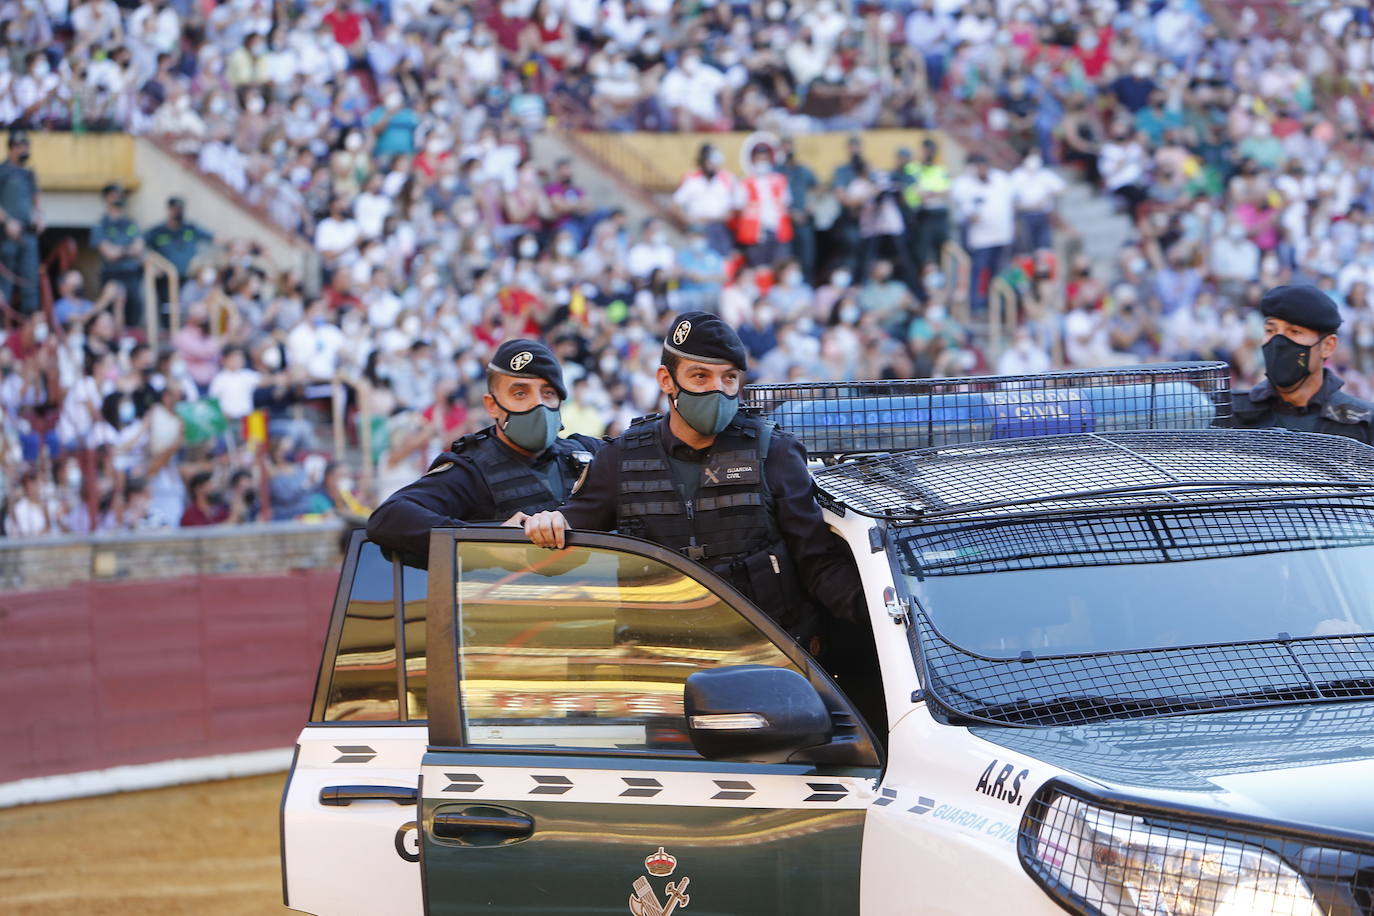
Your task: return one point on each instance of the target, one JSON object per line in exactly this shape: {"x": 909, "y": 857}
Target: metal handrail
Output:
{"x": 1002, "y": 309}
{"x": 155, "y": 266}
{"x": 958, "y": 270}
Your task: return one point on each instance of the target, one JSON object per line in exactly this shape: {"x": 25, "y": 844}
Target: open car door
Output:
{"x": 569, "y": 694}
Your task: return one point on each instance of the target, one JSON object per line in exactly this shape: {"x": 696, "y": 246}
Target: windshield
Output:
{"x": 1145, "y": 580}
{"x": 1000, "y": 604}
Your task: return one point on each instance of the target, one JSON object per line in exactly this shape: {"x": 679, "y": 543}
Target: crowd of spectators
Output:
{"x": 395, "y": 136}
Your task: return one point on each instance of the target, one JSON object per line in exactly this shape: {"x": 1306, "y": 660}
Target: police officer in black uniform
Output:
{"x": 21, "y": 222}
{"x": 727, "y": 490}
{"x": 516, "y": 465}
{"x": 1299, "y": 392}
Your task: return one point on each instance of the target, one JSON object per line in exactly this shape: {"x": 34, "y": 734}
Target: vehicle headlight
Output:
{"x": 1119, "y": 864}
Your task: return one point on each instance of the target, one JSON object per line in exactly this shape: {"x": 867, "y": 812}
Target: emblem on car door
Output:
{"x": 644, "y": 901}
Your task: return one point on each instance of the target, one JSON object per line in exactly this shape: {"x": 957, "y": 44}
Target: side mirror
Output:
{"x": 754, "y": 713}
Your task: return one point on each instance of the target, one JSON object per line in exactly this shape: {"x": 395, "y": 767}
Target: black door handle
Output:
{"x": 339, "y": 796}
{"x": 457, "y": 826}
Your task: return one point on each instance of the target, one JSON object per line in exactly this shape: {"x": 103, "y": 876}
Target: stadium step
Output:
{"x": 1102, "y": 228}
{"x": 600, "y": 183}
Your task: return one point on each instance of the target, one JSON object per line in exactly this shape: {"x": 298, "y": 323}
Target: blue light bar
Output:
{"x": 865, "y": 417}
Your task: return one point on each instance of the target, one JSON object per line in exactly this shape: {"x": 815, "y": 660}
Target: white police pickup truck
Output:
{"x": 1120, "y": 662}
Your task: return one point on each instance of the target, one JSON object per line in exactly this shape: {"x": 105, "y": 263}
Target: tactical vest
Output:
{"x": 1342, "y": 415}
{"x": 726, "y": 524}
{"x": 515, "y": 487}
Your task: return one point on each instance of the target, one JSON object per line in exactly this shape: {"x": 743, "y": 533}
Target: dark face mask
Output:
{"x": 707, "y": 412}
{"x": 533, "y": 430}
{"x": 1285, "y": 362}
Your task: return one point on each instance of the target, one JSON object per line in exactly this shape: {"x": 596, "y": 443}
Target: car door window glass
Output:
{"x": 363, "y": 683}
{"x": 586, "y": 647}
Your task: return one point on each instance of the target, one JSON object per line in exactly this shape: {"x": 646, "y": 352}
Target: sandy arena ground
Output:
{"x": 209, "y": 848}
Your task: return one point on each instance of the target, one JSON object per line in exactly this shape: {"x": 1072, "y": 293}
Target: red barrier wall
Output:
{"x": 101, "y": 674}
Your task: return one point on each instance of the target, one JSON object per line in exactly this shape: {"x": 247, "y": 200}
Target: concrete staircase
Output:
{"x": 601, "y": 185}
{"x": 1101, "y": 229}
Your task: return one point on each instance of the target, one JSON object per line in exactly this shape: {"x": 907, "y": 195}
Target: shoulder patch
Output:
{"x": 581, "y": 479}
{"x": 439, "y": 468}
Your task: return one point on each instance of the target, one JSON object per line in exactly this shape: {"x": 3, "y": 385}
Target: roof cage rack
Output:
{"x": 1054, "y": 475}
{"x": 834, "y": 419}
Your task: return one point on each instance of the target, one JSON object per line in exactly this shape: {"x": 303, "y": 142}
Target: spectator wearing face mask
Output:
{"x": 393, "y": 122}
{"x": 702, "y": 272}
{"x": 695, "y": 94}
{"x": 707, "y": 197}
{"x": 985, "y": 200}
{"x": 1234, "y": 259}
{"x": 1036, "y": 193}
{"x": 1023, "y": 356}
{"x": 763, "y": 227}
{"x": 652, "y": 252}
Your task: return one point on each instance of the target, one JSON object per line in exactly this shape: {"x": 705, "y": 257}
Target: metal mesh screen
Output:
{"x": 848, "y": 418}
{"x": 1073, "y": 689}
{"x": 1099, "y": 471}
{"x": 1161, "y": 536}
{"x": 1183, "y": 751}
{"x": 1113, "y": 857}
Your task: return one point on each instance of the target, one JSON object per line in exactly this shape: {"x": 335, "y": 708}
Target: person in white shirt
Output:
{"x": 1178, "y": 32}
{"x": 337, "y": 236}
{"x": 984, "y": 200}
{"x": 695, "y": 94}
{"x": 928, "y": 31}
{"x": 1036, "y": 191}
{"x": 1192, "y": 333}
{"x": 1122, "y": 162}
{"x": 827, "y": 22}
{"x": 313, "y": 345}
{"x": 1086, "y": 343}
{"x": 40, "y": 94}
{"x": 1359, "y": 270}
{"x": 652, "y": 252}
{"x": 1234, "y": 260}
{"x": 372, "y": 207}
{"x": 481, "y": 61}
{"x": 806, "y": 57}
{"x": 707, "y": 197}
{"x": 1024, "y": 356}
{"x": 29, "y": 515}
{"x": 165, "y": 30}
{"x": 96, "y": 23}
{"x": 234, "y": 384}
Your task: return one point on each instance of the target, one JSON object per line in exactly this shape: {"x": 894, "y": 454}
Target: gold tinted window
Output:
{"x": 363, "y": 686}
{"x": 587, "y": 648}
{"x": 414, "y": 588}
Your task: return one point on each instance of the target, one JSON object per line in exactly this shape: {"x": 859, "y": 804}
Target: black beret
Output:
{"x": 1305, "y": 306}
{"x": 704, "y": 337}
{"x": 528, "y": 359}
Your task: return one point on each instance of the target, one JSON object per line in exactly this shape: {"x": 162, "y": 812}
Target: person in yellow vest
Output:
{"x": 927, "y": 197}
{"x": 763, "y": 227}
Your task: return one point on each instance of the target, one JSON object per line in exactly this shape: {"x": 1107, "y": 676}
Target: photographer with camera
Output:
{"x": 882, "y": 228}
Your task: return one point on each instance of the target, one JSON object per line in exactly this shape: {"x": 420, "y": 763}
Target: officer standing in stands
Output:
{"x": 177, "y": 239}
{"x": 21, "y": 222}
{"x": 926, "y": 194}
{"x": 120, "y": 244}
{"x": 729, "y": 491}
{"x": 1299, "y": 392}
{"x": 516, "y": 465}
